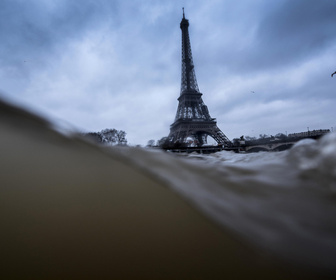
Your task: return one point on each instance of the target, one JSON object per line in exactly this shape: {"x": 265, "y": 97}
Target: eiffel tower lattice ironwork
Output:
{"x": 192, "y": 116}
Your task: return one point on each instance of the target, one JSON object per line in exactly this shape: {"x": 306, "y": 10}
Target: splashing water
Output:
{"x": 283, "y": 202}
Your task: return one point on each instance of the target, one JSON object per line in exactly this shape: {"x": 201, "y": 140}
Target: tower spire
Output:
{"x": 188, "y": 76}
{"x": 183, "y": 12}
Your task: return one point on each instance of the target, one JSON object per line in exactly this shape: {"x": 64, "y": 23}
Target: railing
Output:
{"x": 201, "y": 150}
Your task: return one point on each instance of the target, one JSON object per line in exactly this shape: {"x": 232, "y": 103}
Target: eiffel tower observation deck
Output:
{"x": 193, "y": 122}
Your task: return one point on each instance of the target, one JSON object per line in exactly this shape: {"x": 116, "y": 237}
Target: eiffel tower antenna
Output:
{"x": 192, "y": 117}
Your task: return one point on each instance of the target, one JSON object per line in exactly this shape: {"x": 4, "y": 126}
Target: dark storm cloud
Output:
{"x": 30, "y": 28}
{"x": 295, "y": 30}
{"x": 255, "y": 36}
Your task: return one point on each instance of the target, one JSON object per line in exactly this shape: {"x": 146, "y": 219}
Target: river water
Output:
{"x": 281, "y": 202}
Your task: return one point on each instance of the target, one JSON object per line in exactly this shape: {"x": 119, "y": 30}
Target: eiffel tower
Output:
{"x": 192, "y": 118}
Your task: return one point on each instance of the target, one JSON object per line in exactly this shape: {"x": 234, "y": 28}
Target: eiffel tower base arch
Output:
{"x": 199, "y": 130}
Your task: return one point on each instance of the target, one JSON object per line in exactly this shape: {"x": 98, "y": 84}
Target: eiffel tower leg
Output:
{"x": 200, "y": 138}
{"x": 205, "y": 139}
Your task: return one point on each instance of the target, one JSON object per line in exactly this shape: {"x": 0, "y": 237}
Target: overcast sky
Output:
{"x": 263, "y": 66}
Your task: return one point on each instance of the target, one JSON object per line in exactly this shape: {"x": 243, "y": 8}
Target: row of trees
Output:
{"x": 261, "y": 138}
{"x": 108, "y": 136}
{"x": 159, "y": 143}
{"x": 265, "y": 136}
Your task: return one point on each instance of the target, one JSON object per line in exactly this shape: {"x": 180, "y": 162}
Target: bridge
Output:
{"x": 201, "y": 150}
{"x": 269, "y": 144}
{"x": 269, "y": 147}
{"x": 272, "y": 144}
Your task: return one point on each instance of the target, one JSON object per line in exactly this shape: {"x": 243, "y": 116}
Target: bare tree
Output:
{"x": 163, "y": 142}
{"x": 109, "y": 136}
{"x": 151, "y": 143}
{"x": 121, "y": 136}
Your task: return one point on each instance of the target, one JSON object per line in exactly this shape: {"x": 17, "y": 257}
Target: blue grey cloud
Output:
{"x": 295, "y": 30}
{"x": 103, "y": 64}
